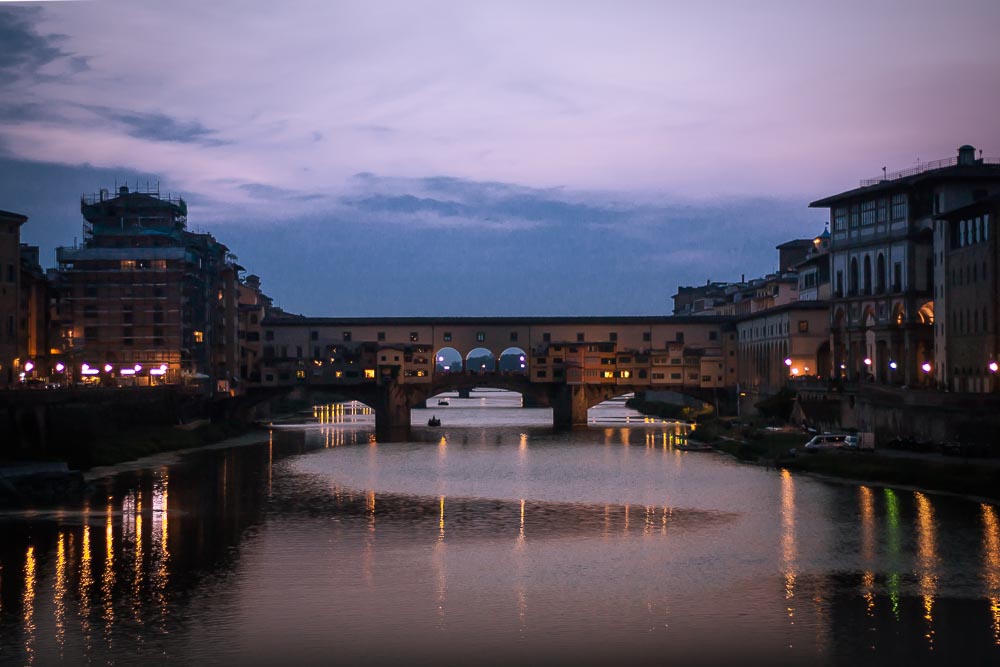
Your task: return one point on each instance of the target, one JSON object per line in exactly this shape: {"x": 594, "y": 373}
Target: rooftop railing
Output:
{"x": 921, "y": 168}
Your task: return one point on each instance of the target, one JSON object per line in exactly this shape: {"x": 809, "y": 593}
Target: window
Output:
{"x": 414, "y": 337}
{"x": 613, "y": 336}
{"x": 675, "y": 376}
{"x": 127, "y": 336}
{"x": 480, "y": 336}
{"x": 127, "y": 265}
{"x": 713, "y": 335}
{"x": 298, "y": 351}
{"x": 268, "y": 335}
{"x": 541, "y": 374}
{"x": 199, "y": 336}
{"x": 370, "y": 373}
{"x": 868, "y": 213}
{"x": 646, "y": 336}
{"x": 803, "y": 326}
{"x": 381, "y": 336}
{"x": 447, "y": 336}
{"x": 158, "y": 315}
{"x": 347, "y": 336}
{"x": 898, "y": 207}
{"x": 897, "y": 277}
{"x": 680, "y": 337}
{"x": 89, "y": 333}
{"x": 313, "y": 335}
{"x": 839, "y": 219}
{"x": 513, "y": 336}
{"x": 547, "y": 337}
{"x": 90, "y": 311}
{"x": 579, "y": 337}
{"x": 840, "y": 284}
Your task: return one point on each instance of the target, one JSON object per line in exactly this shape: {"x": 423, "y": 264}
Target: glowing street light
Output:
{"x": 868, "y": 361}
{"x": 107, "y": 368}
{"x": 993, "y": 367}
{"x": 788, "y": 361}
{"x": 60, "y": 367}
{"x": 893, "y": 365}
{"x": 28, "y": 366}
{"x": 926, "y": 367}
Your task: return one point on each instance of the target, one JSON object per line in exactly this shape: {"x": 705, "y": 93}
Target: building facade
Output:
{"x": 966, "y": 330}
{"x": 10, "y": 297}
{"x": 146, "y": 301}
{"x": 883, "y": 267}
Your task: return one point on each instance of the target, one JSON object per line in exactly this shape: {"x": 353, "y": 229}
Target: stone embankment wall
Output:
{"x": 890, "y": 412}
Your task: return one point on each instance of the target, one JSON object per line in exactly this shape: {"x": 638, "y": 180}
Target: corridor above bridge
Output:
{"x": 668, "y": 352}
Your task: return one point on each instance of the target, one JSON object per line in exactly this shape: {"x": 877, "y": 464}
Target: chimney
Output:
{"x": 966, "y": 154}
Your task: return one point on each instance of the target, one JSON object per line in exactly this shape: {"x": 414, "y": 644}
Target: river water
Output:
{"x": 493, "y": 540}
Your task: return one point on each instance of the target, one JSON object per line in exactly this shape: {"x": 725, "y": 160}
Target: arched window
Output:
{"x": 868, "y": 274}
{"x": 880, "y": 275}
{"x": 854, "y": 277}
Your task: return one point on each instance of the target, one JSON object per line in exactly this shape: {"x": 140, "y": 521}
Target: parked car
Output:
{"x": 827, "y": 441}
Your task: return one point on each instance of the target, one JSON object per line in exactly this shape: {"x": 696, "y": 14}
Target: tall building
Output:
{"x": 884, "y": 258}
{"x": 145, "y": 300}
{"x": 10, "y": 296}
{"x": 966, "y": 331}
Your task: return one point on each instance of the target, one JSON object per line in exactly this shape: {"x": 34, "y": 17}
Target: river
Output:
{"x": 489, "y": 540}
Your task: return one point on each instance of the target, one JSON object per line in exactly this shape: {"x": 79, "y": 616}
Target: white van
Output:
{"x": 827, "y": 441}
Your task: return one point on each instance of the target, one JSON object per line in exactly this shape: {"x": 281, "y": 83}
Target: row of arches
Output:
{"x": 878, "y": 281}
{"x": 481, "y": 360}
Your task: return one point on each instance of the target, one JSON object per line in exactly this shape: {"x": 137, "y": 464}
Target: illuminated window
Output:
{"x": 370, "y": 373}
{"x": 199, "y": 337}
{"x": 609, "y": 374}
{"x": 128, "y": 265}
{"x": 626, "y": 374}
{"x": 159, "y": 264}
{"x": 338, "y": 374}
{"x": 300, "y": 374}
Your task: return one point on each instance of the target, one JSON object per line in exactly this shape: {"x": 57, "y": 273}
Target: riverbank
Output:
{"x": 975, "y": 477}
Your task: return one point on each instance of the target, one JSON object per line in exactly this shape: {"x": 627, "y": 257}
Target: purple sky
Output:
{"x": 631, "y": 118}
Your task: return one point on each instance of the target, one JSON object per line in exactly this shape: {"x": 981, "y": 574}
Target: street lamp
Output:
{"x": 993, "y": 367}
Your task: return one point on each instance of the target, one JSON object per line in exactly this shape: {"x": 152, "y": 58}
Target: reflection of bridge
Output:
{"x": 569, "y": 364}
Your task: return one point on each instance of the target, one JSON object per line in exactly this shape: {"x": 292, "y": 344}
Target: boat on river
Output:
{"x": 695, "y": 446}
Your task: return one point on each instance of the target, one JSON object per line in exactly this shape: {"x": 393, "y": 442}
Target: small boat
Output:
{"x": 443, "y": 401}
{"x": 694, "y": 446}
{"x": 433, "y": 421}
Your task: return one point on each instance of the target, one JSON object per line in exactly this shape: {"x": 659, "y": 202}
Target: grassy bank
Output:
{"x": 969, "y": 477}
{"x": 964, "y": 477}
{"x": 127, "y": 444}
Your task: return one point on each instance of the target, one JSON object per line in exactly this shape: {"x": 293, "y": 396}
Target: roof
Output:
{"x": 496, "y": 321}
{"x": 975, "y": 171}
{"x": 795, "y": 243}
{"x": 8, "y": 216}
{"x": 974, "y": 207}
{"x": 785, "y": 307}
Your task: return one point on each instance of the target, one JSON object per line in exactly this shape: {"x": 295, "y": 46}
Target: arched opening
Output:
{"x": 868, "y": 275}
{"x": 480, "y": 360}
{"x": 448, "y": 360}
{"x": 898, "y": 314}
{"x": 880, "y": 274}
{"x": 926, "y": 313}
{"x": 513, "y": 361}
{"x": 852, "y": 277}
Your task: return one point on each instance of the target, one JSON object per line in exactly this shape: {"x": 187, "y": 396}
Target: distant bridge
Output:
{"x": 568, "y": 364}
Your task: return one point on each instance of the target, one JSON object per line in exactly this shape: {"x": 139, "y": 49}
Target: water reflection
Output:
{"x": 991, "y": 562}
{"x": 229, "y": 543}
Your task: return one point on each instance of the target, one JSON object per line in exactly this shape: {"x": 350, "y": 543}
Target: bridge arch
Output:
{"x": 481, "y": 360}
{"x": 513, "y": 360}
{"x": 448, "y": 360}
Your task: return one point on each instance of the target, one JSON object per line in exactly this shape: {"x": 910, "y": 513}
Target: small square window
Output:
{"x": 546, "y": 337}
{"x": 480, "y": 336}
{"x": 347, "y": 336}
{"x": 381, "y": 335}
{"x": 447, "y": 336}
{"x": 513, "y": 336}
{"x": 579, "y": 337}
{"x": 414, "y": 337}
{"x": 803, "y": 326}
